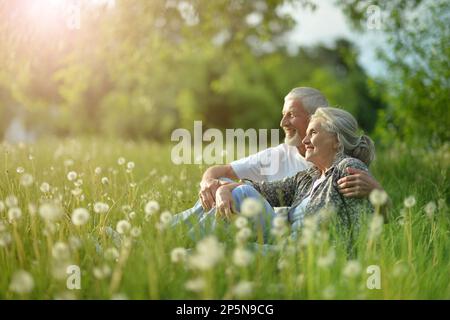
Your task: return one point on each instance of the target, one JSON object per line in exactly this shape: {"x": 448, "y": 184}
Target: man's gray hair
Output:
{"x": 310, "y": 98}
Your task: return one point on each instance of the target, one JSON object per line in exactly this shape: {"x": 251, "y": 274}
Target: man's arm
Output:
{"x": 210, "y": 183}
{"x": 358, "y": 184}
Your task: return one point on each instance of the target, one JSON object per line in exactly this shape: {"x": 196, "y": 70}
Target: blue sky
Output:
{"x": 328, "y": 23}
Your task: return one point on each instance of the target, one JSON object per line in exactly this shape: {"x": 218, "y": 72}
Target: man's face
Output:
{"x": 294, "y": 123}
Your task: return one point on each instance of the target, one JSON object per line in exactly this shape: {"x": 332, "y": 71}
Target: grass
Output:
{"x": 412, "y": 252}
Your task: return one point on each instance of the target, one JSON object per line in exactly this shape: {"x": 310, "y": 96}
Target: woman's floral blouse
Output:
{"x": 291, "y": 191}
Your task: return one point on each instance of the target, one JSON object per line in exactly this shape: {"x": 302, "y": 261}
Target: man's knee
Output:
{"x": 244, "y": 190}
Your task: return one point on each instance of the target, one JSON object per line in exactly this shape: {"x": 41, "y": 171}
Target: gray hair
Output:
{"x": 345, "y": 126}
{"x": 310, "y": 98}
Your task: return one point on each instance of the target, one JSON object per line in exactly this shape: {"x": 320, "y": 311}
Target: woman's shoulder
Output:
{"x": 347, "y": 162}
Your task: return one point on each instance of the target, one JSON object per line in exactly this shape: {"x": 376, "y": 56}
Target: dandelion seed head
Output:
{"x": 243, "y": 289}
{"x": 20, "y": 170}
{"x": 80, "y": 216}
{"x": 135, "y": 232}
{"x": 11, "y": 201}
{"x": 378, "y": 197}
{"x": 14, "y": 214}
{"x": 376, "y": 226}
{"x": 178, "y": 255}
{"x": 71, "y": 176}
{"x": 121, "y": 161}
{"x": 98, "y": 171}
{"x": 61, "y": 251}
{"x": 352, "y": 269}
{"x": 242, "y": 257}
{"x": 243, "y": 235}
{"x": 5, "y": 239}
{"x": 251, "y": 207}
{"x": 430, "y": 209}
{"x": 327, "y": 260}
{"x": 195, "y": 285}
{"x": 410, "y": 202}
{"x": 26, "y": 180}
{"x": 130, "y": 165}
{"x": 241, "y": 222}
{"x": 123, "y": 227}
{"x": 151, "y": 207}
{"x": 21, "y": 282}
{"x": 101, "y": 207}
{"x": 50, "y": 211}
{"x": 105, "y": 180}
{"x": 45, "y": 187}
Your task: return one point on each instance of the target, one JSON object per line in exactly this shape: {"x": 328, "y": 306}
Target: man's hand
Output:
{"x": 207, "y": 194}
{"x": 225, "y": 203}
{"x": 358, "y": 184}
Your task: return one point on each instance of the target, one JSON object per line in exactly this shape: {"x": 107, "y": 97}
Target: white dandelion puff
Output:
{"x": 243, "y": 235}
{"x": 20, "y": 170}
{"x": 50, "y": 211}
{"x": 376, "y": 226}
{"x": 241, "y": 222}
{"x": 352, "y": 269}
{"x": 242, "y": 257}
{"x": 410, "y": 202}
{"x": 61, "y": 251}
{"x": 135, "y": 232}
{"x": 430, "y": 209}
{"x": 45, "y": 187}
{"x": 11, "y": 201}
{"x": 71, "y": 176}
{"x": 151, "y": 208}
{"x": 101, "y": 207}
{"x": 178, "y": 255}
{"x": 378, "y": 197}
{"x": 121, "y": 161}
{"x": 98, "y": 171}
{"x": 327, "y": 260}
{"x": 105, "y": 180}
{"x": 251, "y": 207}
{"x": 80, "y": 216}
{"x": 14, "y": 214}
{"x": 22, "y": 282}
{"x": 243, "y": 289}
{"x": 166, "y": 218}
{"x": 130, "y": 165}
{"x": 195, "y": 285}
{"x": 26, "y": 180}
{"x": 123, "y": 227}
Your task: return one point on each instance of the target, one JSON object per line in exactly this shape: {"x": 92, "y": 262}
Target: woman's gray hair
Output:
{"x": 345, "y": 126}
{"x": 310, "y": 98}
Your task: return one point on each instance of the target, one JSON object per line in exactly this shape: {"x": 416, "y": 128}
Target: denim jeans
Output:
{"x": 206, "y": 222}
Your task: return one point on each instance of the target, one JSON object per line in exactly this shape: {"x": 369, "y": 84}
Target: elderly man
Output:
{"x": 299, "y": 105}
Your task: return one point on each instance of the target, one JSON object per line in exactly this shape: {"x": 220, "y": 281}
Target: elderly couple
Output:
{"x": 323, "y": 162}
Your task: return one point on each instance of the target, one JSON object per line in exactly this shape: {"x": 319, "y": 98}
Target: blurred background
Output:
{"x": 138, "y": 69}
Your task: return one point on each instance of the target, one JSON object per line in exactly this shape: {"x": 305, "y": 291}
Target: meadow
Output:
{"x": 90, "y": 219}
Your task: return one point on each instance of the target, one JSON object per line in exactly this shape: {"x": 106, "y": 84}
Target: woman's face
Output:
{"x": 321, "y": 146}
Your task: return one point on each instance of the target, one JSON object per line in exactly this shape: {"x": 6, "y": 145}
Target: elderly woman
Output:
{"x": 332, "y": 145}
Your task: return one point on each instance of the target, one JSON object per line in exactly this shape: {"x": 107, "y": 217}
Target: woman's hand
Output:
{"x": 224, "y": 201}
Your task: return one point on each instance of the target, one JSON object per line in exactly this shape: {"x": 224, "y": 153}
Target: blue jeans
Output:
{"x": 206, "y": 221}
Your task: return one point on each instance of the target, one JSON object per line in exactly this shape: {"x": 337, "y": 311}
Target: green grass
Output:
{"x": 412, "y": 252}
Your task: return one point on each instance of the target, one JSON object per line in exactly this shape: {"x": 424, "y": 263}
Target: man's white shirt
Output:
{"x": 271, "y": 164}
